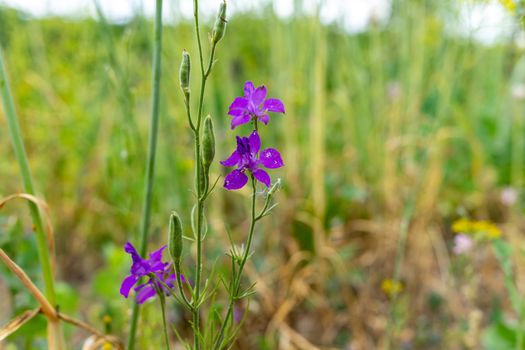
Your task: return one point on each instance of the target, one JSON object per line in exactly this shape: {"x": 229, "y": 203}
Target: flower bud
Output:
{"x": 203, "y": 179}
{"x": 184, "y": 73}
{"x": 208, "y": 143}
{"x": 220, "y": 24}
{"x": 175, "y": 238}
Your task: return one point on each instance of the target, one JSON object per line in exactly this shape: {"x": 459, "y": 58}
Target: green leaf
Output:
{"x": 500, "y": 335}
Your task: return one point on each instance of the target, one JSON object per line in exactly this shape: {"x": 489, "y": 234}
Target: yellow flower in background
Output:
{"x": 391, "y": 287}
{"x": 483, "y": 228}
{"x": 493, "y": 232}
{"x": 510, "y": 5}
{"x": 107, "y": 346}
{"x": 461, "y": 225}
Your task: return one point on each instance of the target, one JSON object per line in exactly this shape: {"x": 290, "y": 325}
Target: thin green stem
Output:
{"x": 198, "y": 270}
{"x": 162, "y": 300}
{"x": 181, "y": 291}
{"x": 21, "y": 157}
{"x": 150, "y": 161}
{"x": 197, "y": 32}
{"x": 237, "y": 278}
{"x": 188, "y": 113}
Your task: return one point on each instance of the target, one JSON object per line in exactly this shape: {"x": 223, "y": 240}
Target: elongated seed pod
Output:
{"x": 208, "y": 143}
{"x": 175, "y": 238}
{"x": 184, "y": 73}
{"x": 219, "y": 28}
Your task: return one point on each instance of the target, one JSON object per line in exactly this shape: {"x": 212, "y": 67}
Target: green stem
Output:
{"x": 237, "y": 277}
{"x": 181, "y": 291}
{"x": 150, "y": 161}
{"x": 55, "y": 335}
{"x": 198, "y": 270}
{"x": 162, "y": 300}
{"x": 21, "y": 157}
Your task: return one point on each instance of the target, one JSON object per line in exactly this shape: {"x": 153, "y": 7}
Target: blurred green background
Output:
{"x": 390, "y": 132}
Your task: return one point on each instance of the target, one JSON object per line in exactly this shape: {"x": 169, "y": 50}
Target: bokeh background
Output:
{"x": 402, "y": 117}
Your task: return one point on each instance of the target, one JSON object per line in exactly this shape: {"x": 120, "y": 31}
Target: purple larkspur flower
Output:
{"x": 253, "y": 105}
{"x": 143, "y": 268}
{"x": 248, "y": 158}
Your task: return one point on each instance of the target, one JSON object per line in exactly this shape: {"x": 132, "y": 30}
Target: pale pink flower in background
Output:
{"x": 518, "y": 92}
{"x": 394, "y": 90}
{"x": 509, "y": 196}
{"x": 462, "y": 244}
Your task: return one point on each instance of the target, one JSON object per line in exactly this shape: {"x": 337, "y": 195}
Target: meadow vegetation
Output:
{"x": 395, "y": 141}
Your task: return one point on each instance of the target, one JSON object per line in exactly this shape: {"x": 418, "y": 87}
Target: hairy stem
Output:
{"x": 150, "y": 161}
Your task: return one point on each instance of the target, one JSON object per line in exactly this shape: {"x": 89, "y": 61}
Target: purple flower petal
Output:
{"x": 127, "y": 284}
{"x": 156, "y": 266}
{"x": 258, "y": 95}
{"x": 273, "y": 105}
{"x": 157, "y": 255}
{"x": 265, "y": 118}
{"x": 130, "y": 249}
{"x": 237, "y": 112}
{"x": 145, "y": 293}
{"x": 239, "y": 103}
{"x": 232, "y": 160}
{"x": 235, "y": 180}
{"x": 239, "y": 120}
{"x": 262, "y": 176}
{"x": 248, "y": 89}
{"x": 271, "y": 158}
{"x": 238, "y": 107}
{"x": 255, "y": 142}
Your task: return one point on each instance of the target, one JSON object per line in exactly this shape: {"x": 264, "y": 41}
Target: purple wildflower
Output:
{"x": 247, "y": 157}
{"x": 142, "y": 268}
{"x": 253, "y": 105}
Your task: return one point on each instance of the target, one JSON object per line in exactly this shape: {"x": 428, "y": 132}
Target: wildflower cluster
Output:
{"x": 480, "y": 229}
{"x": 252, "y": 107}
{"x": 250, "y": 162}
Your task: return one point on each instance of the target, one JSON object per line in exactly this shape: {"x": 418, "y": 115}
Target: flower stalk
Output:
{"x": 162, "y": 301}
{"x": 150, "y": 161}
{"x": 201, "y": 175}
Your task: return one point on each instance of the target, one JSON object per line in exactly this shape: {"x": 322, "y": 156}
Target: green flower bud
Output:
{"x": 203, "y": 179}
{"x": 175, "y": 238}
{"x": 184, "y": 73}
{"x": 208, "y": 143}
{"x": 220, "y": 24}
